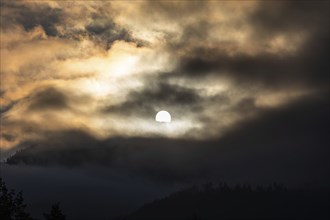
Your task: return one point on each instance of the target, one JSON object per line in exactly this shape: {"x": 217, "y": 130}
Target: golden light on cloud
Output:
{"x": 113, "y": 69}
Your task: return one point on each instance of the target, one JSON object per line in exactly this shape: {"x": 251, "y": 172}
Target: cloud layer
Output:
{"x": 104, "y": 69}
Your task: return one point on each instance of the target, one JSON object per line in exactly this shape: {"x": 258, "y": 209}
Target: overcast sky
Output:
{"x": 246, "y": 84}
{"x": 106, "y": 68}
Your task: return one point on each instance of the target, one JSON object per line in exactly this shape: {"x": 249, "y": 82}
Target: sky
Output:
{"x": 246, "y": 84}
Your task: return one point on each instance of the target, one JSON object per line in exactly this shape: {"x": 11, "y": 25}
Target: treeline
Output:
{"x": 13, "y": 207}
{"x": 240, "y": 202}
{"x": 207, "y": 202}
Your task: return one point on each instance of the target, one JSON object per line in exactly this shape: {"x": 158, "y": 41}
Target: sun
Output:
{"x": 163, "y": 116}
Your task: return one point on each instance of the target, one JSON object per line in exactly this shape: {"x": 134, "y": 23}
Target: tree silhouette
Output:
{"x": 55, "y": 213}
{"x": 12, "y": 206}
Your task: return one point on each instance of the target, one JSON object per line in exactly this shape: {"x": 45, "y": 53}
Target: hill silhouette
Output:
{"x": 240, "y": 202}
{"x": 205, "y": 203}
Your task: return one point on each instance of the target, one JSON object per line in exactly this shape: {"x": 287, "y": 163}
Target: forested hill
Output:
{"x": 240, "y": 202}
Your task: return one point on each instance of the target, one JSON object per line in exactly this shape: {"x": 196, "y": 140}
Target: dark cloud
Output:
{"x": 169, "y": 11}
{"x": 279, "y": 145}
{"x": 2, "y": 93}
{"x": 5, "y": 108}
{"x": 311, "y": 63}
{"x": 307, "y": 66}
{"x": 310, "y": 67}
{"x": 156, "y": 96}
{"x": 146, "y": 156}
{"x": 271, "y": 18}
{"x": 8, "y": 137}
{"x": 288, "y": 144}
{"x": 246, "y": 106}
{"x": 105, "y": 31}
{"x": 47, "y": 99}
{"x": 245, "y": 68}
{"x": 31, "y": 16}
{"x": 102, "y": 29}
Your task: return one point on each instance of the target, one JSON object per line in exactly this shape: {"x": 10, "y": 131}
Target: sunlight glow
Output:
{"x": 163, "y": 116}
